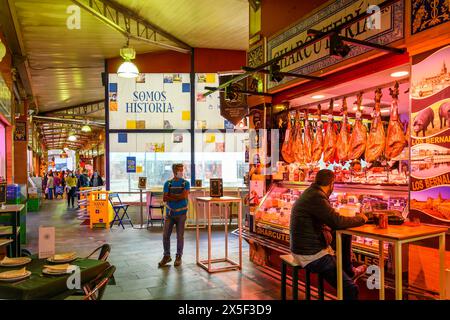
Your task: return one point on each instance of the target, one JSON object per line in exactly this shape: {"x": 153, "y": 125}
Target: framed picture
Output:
{"x": 198, "y": 183}
{"x": 142, "y": 182}
{"x": 2, "y": 193}
{"x": 215, "y": 187}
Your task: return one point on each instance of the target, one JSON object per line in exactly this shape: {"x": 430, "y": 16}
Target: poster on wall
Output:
{"x": 20, "y": 132}
{"x": 152, "y": 100}
{"x": 430, "y": 138}
{"x": 131, "y": 164}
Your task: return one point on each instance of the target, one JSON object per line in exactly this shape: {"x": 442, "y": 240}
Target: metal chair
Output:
{"x": 104, "y": 249}
{"x": 117, "y": 208}
{"x": 104, "y": 252}
{"x": 95, "y": 289}
{"x": 150, "y": 209}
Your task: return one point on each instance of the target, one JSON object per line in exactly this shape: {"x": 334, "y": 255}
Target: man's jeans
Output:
{"x": 326, "y": 266}
{"x": 169, "y": 222}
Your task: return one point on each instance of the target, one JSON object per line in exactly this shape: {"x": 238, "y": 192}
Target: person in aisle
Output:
{"x": 50, "y": 186}
{"x": 83, "y": 180}
{"x": 96, "y": 180}
{"x": 176, "y": 193}
{"x": 312, "y": 221}
{"x": 71, "y": 189}
{"x": 57, "y": 184}
{"x": 44, "y": 184}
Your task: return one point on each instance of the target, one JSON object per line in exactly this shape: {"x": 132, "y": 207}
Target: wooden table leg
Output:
{"x": 381, "y": 268}
{"x": 240, "y": 234}
{"x": 442, "y": 266}
{"x": 398, "y": 270}
{"x": 340, "y": 289}
{"x": 209, "y": 237}
{"x": 197, "y": 251}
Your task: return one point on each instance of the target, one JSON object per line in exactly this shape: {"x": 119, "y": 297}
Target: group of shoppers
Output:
{"x": 69, "y": 182}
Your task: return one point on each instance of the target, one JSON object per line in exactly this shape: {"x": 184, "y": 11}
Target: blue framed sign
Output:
{"x": 131, "y": 164}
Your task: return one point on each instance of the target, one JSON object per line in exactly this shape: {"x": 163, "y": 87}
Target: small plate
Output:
{"x": 50, "y": 272}
{"x": 26, "y": 275}
{"x": 25, "y": 260}
{"x": 61, "y": 261}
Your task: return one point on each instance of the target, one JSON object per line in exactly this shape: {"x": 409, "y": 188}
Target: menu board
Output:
{"x": 430, "y": 138}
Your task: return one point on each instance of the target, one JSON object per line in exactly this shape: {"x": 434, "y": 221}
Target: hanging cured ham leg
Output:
{"x": 329, "y": 145}
{"x": 308, "y": 141}
{"x": 298, "y": 148}
{"x": 317, "y": 147}
{"x": 395, "y": 140}
{"x": 359, "y": 134}
{"x": 286, "y": 149}
{"x": 343, "y": 140}
{"x": 376, "y": 139}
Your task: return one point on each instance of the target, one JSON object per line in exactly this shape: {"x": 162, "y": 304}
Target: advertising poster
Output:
{"x": 131, "y": 164}
{"x": 430, "y": 138}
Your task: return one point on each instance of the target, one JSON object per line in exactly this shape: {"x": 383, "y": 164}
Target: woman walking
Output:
{"x": 50, "y": 186}
{"x": 71, "y": 187}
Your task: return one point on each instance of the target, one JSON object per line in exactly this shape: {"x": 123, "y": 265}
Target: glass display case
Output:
{"x": 272, "y": 216}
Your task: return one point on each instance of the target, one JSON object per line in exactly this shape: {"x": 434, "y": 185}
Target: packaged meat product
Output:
{"x": 329, "y": 149}
{"x": 359, "y": 134}
{"x": 317, "y": 147}
{"x": 395, "y": 139}
{"x": 376, "y": 140}
{"x": 343, "y": 140}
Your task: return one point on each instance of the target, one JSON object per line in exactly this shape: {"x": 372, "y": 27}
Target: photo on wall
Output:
{"x": 140, "y": 78}
{"x": 177, "y": 138}
{"x": 168, "y": 78}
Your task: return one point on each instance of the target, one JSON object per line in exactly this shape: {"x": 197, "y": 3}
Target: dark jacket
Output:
{"x": 309, "y": 215}
{"x": 99, "y": 181}
{"x": 83, "y": 181}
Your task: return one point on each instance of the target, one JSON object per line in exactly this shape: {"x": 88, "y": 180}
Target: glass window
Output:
{"x": 155, "y": 153}
{"x": 221, "y": 155}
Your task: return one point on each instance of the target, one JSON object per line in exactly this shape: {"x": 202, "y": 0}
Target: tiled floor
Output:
{"x": 136, "y": 253}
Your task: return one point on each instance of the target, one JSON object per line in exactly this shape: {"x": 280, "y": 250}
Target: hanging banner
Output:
{"x": 233, "y": 105}
{"x": 386, "y": 28}
{"x": 430, "y": 138}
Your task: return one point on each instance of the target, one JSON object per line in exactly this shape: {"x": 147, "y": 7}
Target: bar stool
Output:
{"x": 289, "y": 260}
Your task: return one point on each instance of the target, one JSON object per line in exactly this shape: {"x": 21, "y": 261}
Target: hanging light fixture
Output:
{"x": 2, "y": 50}
{"x": 72, "y": 136}
{"x": 86, "y": 127}
{"x": 128, "y": 69}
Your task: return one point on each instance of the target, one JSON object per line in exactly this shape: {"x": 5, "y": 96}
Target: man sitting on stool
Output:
{"x": 312, "y": 220}
{"x": 176, "y": 193}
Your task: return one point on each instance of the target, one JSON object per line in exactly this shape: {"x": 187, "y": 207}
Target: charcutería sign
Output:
{"x": 316, "y": 57}
{"x": 273, "y": 234}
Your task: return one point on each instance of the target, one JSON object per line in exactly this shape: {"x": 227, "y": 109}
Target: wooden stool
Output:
{"x": 289, "y": 260}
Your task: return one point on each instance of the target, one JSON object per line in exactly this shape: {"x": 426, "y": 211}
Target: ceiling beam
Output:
{"x": 122, "y": 19}
{"x": 79, "y": 109}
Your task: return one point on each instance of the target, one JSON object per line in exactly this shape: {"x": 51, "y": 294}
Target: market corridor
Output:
{"x": 136, "y": 253}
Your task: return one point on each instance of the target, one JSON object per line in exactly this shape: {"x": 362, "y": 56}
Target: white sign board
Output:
{"x": 46, "y": 242}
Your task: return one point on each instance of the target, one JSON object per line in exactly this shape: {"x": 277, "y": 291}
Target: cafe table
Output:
{"x": 14, "y": 229}
{"x": 40, "y": 287}
{"x": 397, "y": 235}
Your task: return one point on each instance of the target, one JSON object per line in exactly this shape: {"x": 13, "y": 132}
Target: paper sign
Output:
{"x": 142, "y": 182}
{"x": 46, "y": 242}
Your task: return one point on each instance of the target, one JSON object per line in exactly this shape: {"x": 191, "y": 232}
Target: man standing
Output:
{"x": 96, "y": 180}
{"x": 176, "y": 193}
{"x": 71, "y": 187}
{"x": 312, "y": 220}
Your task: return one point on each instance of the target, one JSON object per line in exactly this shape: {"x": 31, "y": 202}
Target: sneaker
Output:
{"x": 177, "y": 261}
{"x": 164, "y": 261}
{"x": 358, "y": 272}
